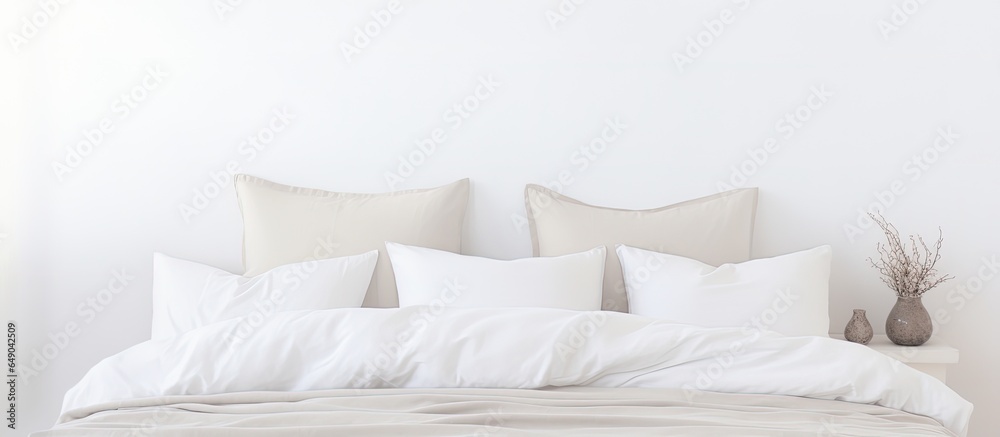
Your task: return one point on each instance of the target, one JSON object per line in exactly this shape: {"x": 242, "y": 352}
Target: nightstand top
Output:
{"x": 934, "y": 351}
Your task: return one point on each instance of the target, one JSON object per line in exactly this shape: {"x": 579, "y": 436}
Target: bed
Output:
{"x": 625, "y": 322}
{"x": 531, "y": 371}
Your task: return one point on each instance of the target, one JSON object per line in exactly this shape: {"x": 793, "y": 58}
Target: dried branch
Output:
{"x": 909, "y": 270}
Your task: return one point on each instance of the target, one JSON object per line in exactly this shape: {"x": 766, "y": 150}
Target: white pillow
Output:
{"x": 188, "y": 295}
{"x": 788, "y": 294}
{"x": 435, "y": 277}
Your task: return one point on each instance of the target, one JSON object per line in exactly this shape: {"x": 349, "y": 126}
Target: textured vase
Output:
{"x": 909, "y": 324}
{"x": 858, "y": 329}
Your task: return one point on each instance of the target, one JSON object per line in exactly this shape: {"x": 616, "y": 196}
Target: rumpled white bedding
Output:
{"x": 431, "y": 347}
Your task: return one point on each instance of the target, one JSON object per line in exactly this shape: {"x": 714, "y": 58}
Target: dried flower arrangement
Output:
{"x": 909, "y": 271}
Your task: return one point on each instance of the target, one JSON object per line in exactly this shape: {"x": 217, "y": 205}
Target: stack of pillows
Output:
{"x": 306, "y": 249}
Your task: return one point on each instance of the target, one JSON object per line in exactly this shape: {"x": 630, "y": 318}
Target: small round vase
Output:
{"x": 909, "y": 324}
{"x": 858, "y": 330}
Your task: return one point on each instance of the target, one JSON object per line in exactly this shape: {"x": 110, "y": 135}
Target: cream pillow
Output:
{"x": 283, "y": 224}
{"x": 716, "y": 229}
{"x": 436, "y": 277}
{"x": 788, "y": 294}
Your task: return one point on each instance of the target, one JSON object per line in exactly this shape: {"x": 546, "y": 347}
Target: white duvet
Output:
{"x": 420, "y": 347}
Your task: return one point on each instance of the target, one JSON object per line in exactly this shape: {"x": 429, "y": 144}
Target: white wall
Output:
{"x": 686, "y": 130}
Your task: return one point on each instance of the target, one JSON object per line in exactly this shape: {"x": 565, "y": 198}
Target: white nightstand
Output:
{"x": 931, "y": 358}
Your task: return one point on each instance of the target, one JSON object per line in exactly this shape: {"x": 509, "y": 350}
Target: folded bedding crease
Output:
{"x": 435, "y": 348}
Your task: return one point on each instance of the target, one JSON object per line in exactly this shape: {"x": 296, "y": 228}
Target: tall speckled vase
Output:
{"x": 858, "y": 329}
{"x": 909, "y": 324}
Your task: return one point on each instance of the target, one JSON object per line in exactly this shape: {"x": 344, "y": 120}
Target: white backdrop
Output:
{"x": 118, "y": 117}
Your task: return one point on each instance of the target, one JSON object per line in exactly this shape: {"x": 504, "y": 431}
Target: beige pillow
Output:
{"x": 284, "y": 224}
{"x": 715, "y": 230}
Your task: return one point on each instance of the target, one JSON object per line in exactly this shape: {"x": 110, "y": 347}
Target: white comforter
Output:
{"x": 504, "y": 348}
